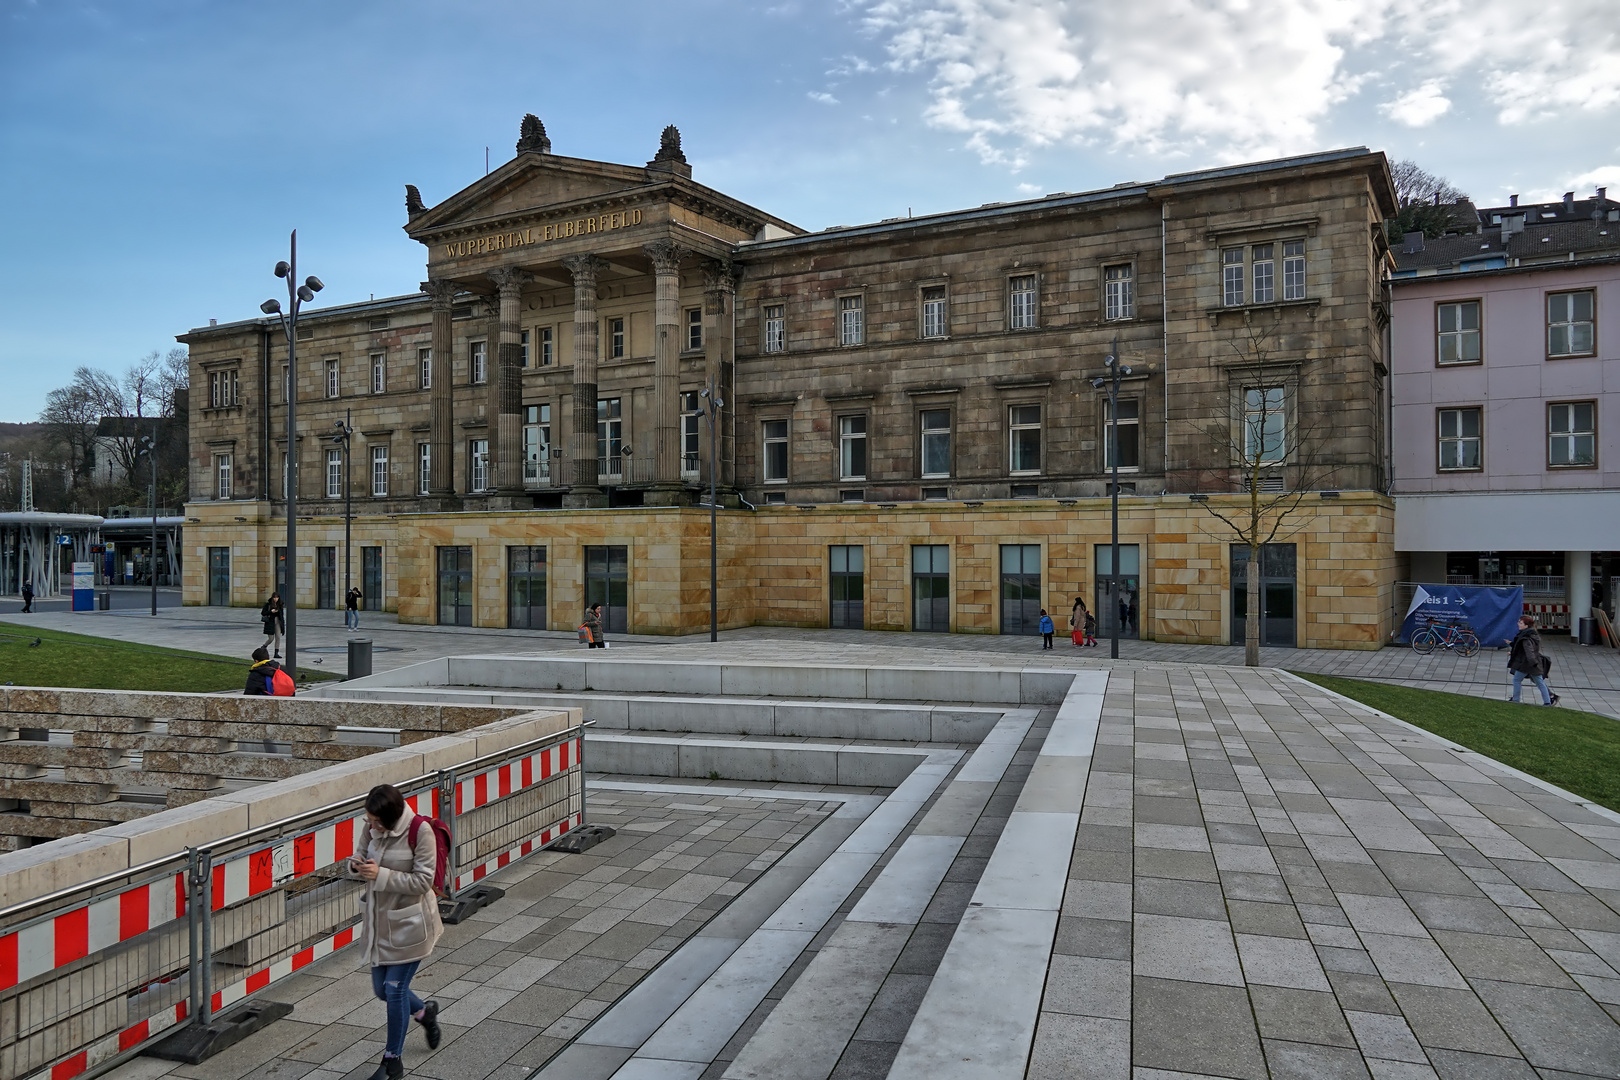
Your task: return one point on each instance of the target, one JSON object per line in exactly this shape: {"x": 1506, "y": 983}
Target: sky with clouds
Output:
{"x": 154, "y": 154}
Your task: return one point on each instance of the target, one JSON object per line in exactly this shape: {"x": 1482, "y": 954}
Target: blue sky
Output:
{"x": 154, "y": 154}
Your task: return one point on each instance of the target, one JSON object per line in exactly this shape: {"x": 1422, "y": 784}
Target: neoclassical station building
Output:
{"x": 911, "y": 436}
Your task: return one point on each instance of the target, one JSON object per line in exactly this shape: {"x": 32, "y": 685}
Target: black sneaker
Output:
{"x": 392, "y": 1068}
{"x": 430, "y": 1024}
{"x": 1554, "y": 699}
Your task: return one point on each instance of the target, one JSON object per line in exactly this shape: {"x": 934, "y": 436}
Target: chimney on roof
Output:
{"x": 1569, "y": 202}
{"x": 1603, "y": 193}
{"x": 1412, "y": 242}
{"x": 1513, "y": 200}
{"x": 213, "y": 322}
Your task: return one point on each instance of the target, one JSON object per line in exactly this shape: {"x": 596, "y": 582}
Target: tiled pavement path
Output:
{"x": 1271, "y": 882}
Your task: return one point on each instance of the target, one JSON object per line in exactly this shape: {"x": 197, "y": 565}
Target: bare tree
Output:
{"x": 1427, "y": 203}
{"x": 71, "y": 413}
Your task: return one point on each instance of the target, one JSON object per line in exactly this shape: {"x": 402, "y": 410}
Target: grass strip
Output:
{"x": 91, "y": 663}
{"x": 1578, "y": 751}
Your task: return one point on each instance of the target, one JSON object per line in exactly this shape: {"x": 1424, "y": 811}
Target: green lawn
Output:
{"x": 93, "y": 663}
{"x": 1578, "y": 751}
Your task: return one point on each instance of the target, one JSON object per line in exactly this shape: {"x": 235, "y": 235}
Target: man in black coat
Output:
{"x": 1526, "y": 661}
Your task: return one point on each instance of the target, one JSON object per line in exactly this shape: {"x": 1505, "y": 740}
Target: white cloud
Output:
{"x": 1583, "y": 185}
{"x": 823, "y": 98}
{"x": 1419, "y": 107}
{"x": 1235, "y": 79}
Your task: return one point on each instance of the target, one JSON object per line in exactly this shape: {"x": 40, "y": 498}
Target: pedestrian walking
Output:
{"x": 592, "y": 627}
{"x": 399, "y": 917}
{"x": 1077, "y": 622}
{"x": 1046, "y": 630}
{"x": 28, "y": 597}
{"x": 1091, "y": 629}
{"x": 1526, "y": 661}
{"x": 275, "y": 623}
{"x": 351, "y": 608}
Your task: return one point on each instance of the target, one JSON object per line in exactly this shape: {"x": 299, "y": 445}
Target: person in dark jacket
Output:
{"x": 593, "y": 626}
{"x": 275, "y": 622}
{"x": 28, "y": 597}
{"x": 1525, "y": 660}
{"x": 351, "y": 609}
{"x": 261, "y": 676}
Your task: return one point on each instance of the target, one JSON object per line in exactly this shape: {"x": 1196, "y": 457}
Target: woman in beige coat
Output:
{"x": 399, "y": 917}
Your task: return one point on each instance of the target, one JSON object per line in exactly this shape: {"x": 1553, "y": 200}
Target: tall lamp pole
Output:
{"x": 1115, "y": 372}
{"x": 342, "y": 430}
{"x": 149, "y": 448}
{"x": 710, "y": 407}
{"x": 297, "y": 296}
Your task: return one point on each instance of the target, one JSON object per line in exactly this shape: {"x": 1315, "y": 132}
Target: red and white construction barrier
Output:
{"x": 1549, "y": 616}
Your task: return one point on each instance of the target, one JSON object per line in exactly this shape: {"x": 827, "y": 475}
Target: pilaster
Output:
{"x": 585, "y": 491}
{"x": 666, "y": 260}
{"x": 441, "y": 437}
{"x": 505, "y": 407}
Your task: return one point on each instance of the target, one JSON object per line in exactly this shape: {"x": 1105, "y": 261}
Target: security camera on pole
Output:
{"x": 297, "y": 296}
{"x": 1115, "y": 372}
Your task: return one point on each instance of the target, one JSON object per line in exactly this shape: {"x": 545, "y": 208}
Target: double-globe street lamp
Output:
{"x": 1116, "y": 371}
{"x": 297, "y": 296}
{"x": 710, "y": 407}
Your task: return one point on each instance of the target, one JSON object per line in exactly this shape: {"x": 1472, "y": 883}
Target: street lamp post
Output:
{"x": 711, "y": 406}
{"x": 1115, "y": 372}
{"x": 149, "y": 448}
{"x": 343, "y": 429}
{"x": 297, "y": 296}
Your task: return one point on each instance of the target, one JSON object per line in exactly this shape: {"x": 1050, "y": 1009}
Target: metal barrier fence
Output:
{"x": 93, "y": 975}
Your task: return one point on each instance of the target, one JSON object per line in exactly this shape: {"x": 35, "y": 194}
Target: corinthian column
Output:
{"x": 506, "y": 388}
{"x": 585, "y": 268}
{"x": 666, "y": 260}
{"x": 441, "y": 477}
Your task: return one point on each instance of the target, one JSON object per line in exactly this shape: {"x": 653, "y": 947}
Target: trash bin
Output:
{"x": 359, "y": 658}
{"x": 1589, "y": 633}
{"x": 104, "y": 600}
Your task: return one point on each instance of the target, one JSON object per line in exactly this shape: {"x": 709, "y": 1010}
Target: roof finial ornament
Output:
{"x": 532, "y": 136}
{"x": 413, "y": 201}
{"x": 669, "y": 146}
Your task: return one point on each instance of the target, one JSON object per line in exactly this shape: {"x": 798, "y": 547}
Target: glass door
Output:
{"x": 607, "y": 582}
{"x": 1020, "y": 588}
{"x": 1119, "y": 595}
{"x": 931, "y": 588}
{"x": 371, "y": 577}
{"x": 526, "y": 588}
{"x": 1278, "y": 619}
{"x": 219, "y": 576}
{"x": 455, "y": 586}
{"x": 848, "y": 578}
{"x": 326, "y": 577}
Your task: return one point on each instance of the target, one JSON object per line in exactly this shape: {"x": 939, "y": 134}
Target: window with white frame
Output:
{"x": 424, "y": 468}
{"x": 1126, "y": 428}
{"x": 851, "y": 320}
{"x": 1232, "y": 277}
{"x": 616, "y": 339}
{"x": 1569, "y": 324}
{"x": 1119, "y": 292}
{"x": 536, "y": 444}
{"x": 694, "y": 328}
{"x": 379, "y": 372}
{"x": 1459, "y": 444}
{"x": 379, "y": 470}
{"x": 222, "y": 475}
{"x": 224, "y": 388}
{"x": 775, "y": 434}
{"x": 1294, "y": 270}
{"x": 334, "y": 474}
{"x": 331, "y": 378}
{"x": 424, "y": 368}
{"x": 935, "y": 320}
{"x": 546, "y": 357}
{"x": 852, "y": 447}
{"x": 1572, "y": 434}
{"x": 523, "y": 348}
{"x": 1264, "y": 272}
{"x": 1021, "y": 305}
{"x": 1457, "y": 333}
{"x": 775, "y": 337}
{"x": 691, "y": 441}
{"x": 1024, "y": 442}
{"x": 1265, "y": 424}
{"x": 935, "y": 427}
{"x": 478, "y": 465}
{"x": 477, "y": 361}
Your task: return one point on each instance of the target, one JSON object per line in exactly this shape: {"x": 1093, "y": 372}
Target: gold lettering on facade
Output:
{"x": 483, "y": 245}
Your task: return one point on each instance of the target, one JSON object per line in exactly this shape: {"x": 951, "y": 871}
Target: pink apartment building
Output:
{"x": 1505, "y": 403}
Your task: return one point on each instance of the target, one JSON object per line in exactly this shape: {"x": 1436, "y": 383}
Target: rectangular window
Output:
{"x": 931, "y": 588}
{"x": 934, "y": 321}
{"x": 1294, "y": 270}
{"x": 609, "y": 438}
{"x": 615, "y": 328}
{"x": 523, "y": 348}
{"x": 1457, "y": 339}
{"x": 334, "y": 474}
{"x": 1569, "y": 324}
{"x": 852, "y": 447}
{"x": 371, "y": 578}
{"x": 331, "y": 378}
{"x": 1119, "y": 299}
{"x": 537, "y": 444}
{"x": 478, "y": 464}
{"x": 607, "y": 582}
{"x": 223, "y": 389}
{"x": 526, "y": 588}
{"x": 214, "y": 389}
{"x": 1265, "y": 273}
{"x": 691, "y": 440}
{"x": 1264, "y": 424}
{"x": 847, "y": 576}
{"x": 1024, "y": 430}
{"x": 936, "y": 442}
{"x": 424, "y": 468}
{"x": 545, "y": 346}
{"x": 424, "y": 368}
{"x": 455, "y": 586}
{"x": 851, "y": 320}
{"x": 1459, "y": 439}
{"x": 1232, "y": 277}
{"x": 234, "y": 395}
{"x": 379, "y": 471}
{"x": 477, "y": 355}
{"x": 775, "y": 328}
{"x": 1572, "y": 434}
{"x": 776, "y": 451}
{"x": 222, "y": 470}
{"x": 379, "y": 372}
{"x": 1127, "y": 429}
{"x": 694, "y": 328}
{"x": 1021, "y": 302}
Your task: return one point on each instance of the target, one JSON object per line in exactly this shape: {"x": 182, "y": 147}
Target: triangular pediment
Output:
{"x": 530, "y": 183}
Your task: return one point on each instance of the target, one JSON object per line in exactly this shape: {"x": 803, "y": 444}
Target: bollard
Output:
{"x": 359, "y": 658}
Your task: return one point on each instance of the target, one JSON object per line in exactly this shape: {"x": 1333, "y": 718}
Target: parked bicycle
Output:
{"x": 1445, "y": 636}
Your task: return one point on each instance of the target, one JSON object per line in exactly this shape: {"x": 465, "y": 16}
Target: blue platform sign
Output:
{"x": 84, "y": 586}
{"x": 1490, "y": 611}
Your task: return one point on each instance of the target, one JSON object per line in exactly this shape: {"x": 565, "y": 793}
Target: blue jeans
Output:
{"x": 1541, "y": 684}
{"x": 351, "y": 618}
{"x": 392, "y": 983}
